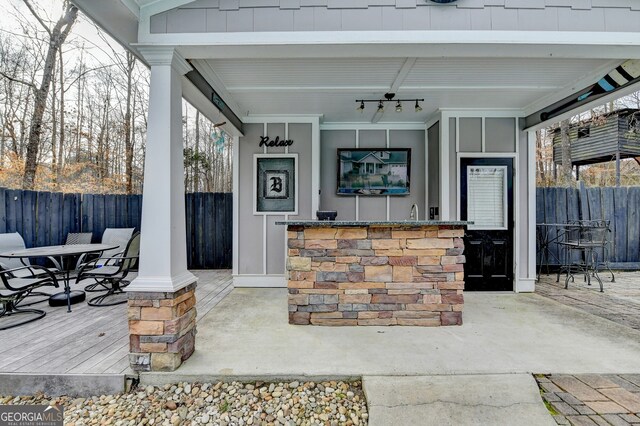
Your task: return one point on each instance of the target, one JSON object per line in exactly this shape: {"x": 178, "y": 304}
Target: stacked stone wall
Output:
{"x": 162, "y": 329}
{"x": 376, "y": 275}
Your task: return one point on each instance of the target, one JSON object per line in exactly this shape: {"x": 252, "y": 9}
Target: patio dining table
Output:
{"x": 63, "y": 253}
{"x": 546, "y": 237}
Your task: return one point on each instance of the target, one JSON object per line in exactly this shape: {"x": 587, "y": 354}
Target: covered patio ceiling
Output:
{"x": 324, "y": 72}
{"x": 329, "y": 86}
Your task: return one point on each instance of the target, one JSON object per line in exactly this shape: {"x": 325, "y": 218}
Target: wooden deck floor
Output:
{"x": 88, "y": 340}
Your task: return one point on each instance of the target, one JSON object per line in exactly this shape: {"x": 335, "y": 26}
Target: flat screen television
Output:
{"x": 367, "y": 171}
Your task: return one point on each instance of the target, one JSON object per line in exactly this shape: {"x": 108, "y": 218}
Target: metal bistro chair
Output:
{"x": 13, "y": 290}
{"x": 602, "y": 253}
{"x": 112, "y": 236}
{"x": 583, "y": 240}
{"x": 110, "y": 277}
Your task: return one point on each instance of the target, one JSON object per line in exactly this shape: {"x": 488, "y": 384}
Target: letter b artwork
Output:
{"x": 275, "y": 186}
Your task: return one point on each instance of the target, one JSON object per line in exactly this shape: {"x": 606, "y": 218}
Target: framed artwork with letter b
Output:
{"x": 276, "y": 183}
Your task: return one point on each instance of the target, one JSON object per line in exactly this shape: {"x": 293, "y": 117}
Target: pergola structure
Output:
{"x": 257, "y": 63}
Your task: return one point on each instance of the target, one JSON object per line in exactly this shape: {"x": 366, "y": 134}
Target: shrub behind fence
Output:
{"x": 45, "y": 218}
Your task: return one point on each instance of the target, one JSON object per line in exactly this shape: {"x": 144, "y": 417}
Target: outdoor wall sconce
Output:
{"x": 388, "y": 97}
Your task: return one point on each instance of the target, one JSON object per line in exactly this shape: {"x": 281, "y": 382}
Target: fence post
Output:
{"x": 583, "y": 202}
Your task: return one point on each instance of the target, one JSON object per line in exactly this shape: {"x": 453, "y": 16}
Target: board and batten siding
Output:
{"x": 490, "y": 135}
{"x": 261, "y": 243}
{"x": 350, "y": 207}
{"x": 433, "y": 168}
{"x": 394, "y": 15}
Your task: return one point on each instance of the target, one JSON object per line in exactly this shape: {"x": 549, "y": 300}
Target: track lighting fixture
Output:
{"x": 388, "y": 97}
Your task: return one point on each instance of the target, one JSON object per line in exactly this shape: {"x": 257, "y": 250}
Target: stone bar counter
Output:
{"x": 375, "y": 272}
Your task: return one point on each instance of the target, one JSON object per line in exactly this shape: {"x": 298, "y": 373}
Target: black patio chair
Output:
{"x": 73, "y": 238}
{"x": 14, "y": 290}
{"x": 110, "y": 273}
{"x": 78, "y": 238}
{"x": 21, "y": 267}
{"x": 113, "y": 236}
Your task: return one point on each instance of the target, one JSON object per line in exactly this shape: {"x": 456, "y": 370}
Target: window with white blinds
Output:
{"x": 487, "y": 197}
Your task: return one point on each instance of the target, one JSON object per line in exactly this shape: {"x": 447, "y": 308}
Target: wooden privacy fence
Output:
{"x": 618, "y": 205}
{"x": 45, "y": 218}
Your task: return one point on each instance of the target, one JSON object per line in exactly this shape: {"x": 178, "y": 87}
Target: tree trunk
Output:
{"x": 57, "y": 37}
{"x": 54, "y": 127}
{"x": 566, "y": 176}
{"x": 56, "y": 176}
{"x": 128, "y": 143}
{"x": 542, "y": 178}
{"x": 2, "y": 143}
{"x": 79, "y": 106}
{"x": 196, "y": 172}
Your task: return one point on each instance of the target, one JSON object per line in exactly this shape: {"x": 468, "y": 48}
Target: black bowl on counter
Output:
{"x": 326, "y": 214}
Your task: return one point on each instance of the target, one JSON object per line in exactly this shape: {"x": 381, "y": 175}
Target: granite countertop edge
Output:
{"x": 340, "y": 223}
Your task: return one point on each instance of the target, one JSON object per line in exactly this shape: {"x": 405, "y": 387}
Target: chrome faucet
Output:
{"x": 413, "y": 215}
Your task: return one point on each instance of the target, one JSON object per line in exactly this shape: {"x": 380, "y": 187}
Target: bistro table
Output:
{"x": 546, "y": 237}
{"x": 63, "y": 253}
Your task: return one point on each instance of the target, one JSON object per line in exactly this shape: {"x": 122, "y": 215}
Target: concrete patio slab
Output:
{"x": 247, "y": 337}
{"x": 61, "y": 384}
{"x": 455, "y": 400}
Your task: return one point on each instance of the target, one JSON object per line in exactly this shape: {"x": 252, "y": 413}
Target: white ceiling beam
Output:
{"x": 404, "y": 44}
{"x": 218, "y": 85}
{"x": 580, "y": 83}
{"x": 402, "y": 74}
{"x": 404, "y": 71}
{"x": 586, "y": 107}
{"x": 359, "y": 89}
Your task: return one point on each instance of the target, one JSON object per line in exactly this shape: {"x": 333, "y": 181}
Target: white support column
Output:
{"x": 445, "y": 172}
{"x": 531, "y": 213}
{"x": 163, "y": 246}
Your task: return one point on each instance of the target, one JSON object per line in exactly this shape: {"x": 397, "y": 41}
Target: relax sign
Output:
{"x": 271, "y": 143}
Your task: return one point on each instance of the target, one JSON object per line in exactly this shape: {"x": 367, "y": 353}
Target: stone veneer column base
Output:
{"x": 162, "y": 329}
{"x": 376, "y": 275}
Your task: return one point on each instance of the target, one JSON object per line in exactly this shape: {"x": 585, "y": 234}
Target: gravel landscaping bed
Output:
{"x": 258, "y": 403}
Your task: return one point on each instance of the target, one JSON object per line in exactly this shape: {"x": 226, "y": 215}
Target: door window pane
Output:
{"x": 487, "y": 197}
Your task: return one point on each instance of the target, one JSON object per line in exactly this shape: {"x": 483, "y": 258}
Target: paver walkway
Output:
{"x": 595, "y": 399}
{"x": 592, "y": 399}
{"x": 620, "y": 301}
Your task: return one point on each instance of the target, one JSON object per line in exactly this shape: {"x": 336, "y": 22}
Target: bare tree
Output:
{"x": 566, "y": 169}
{"x": 92, "y": 125}
{"x": 57, "y": 36}
{"x": 128, "y": 141}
